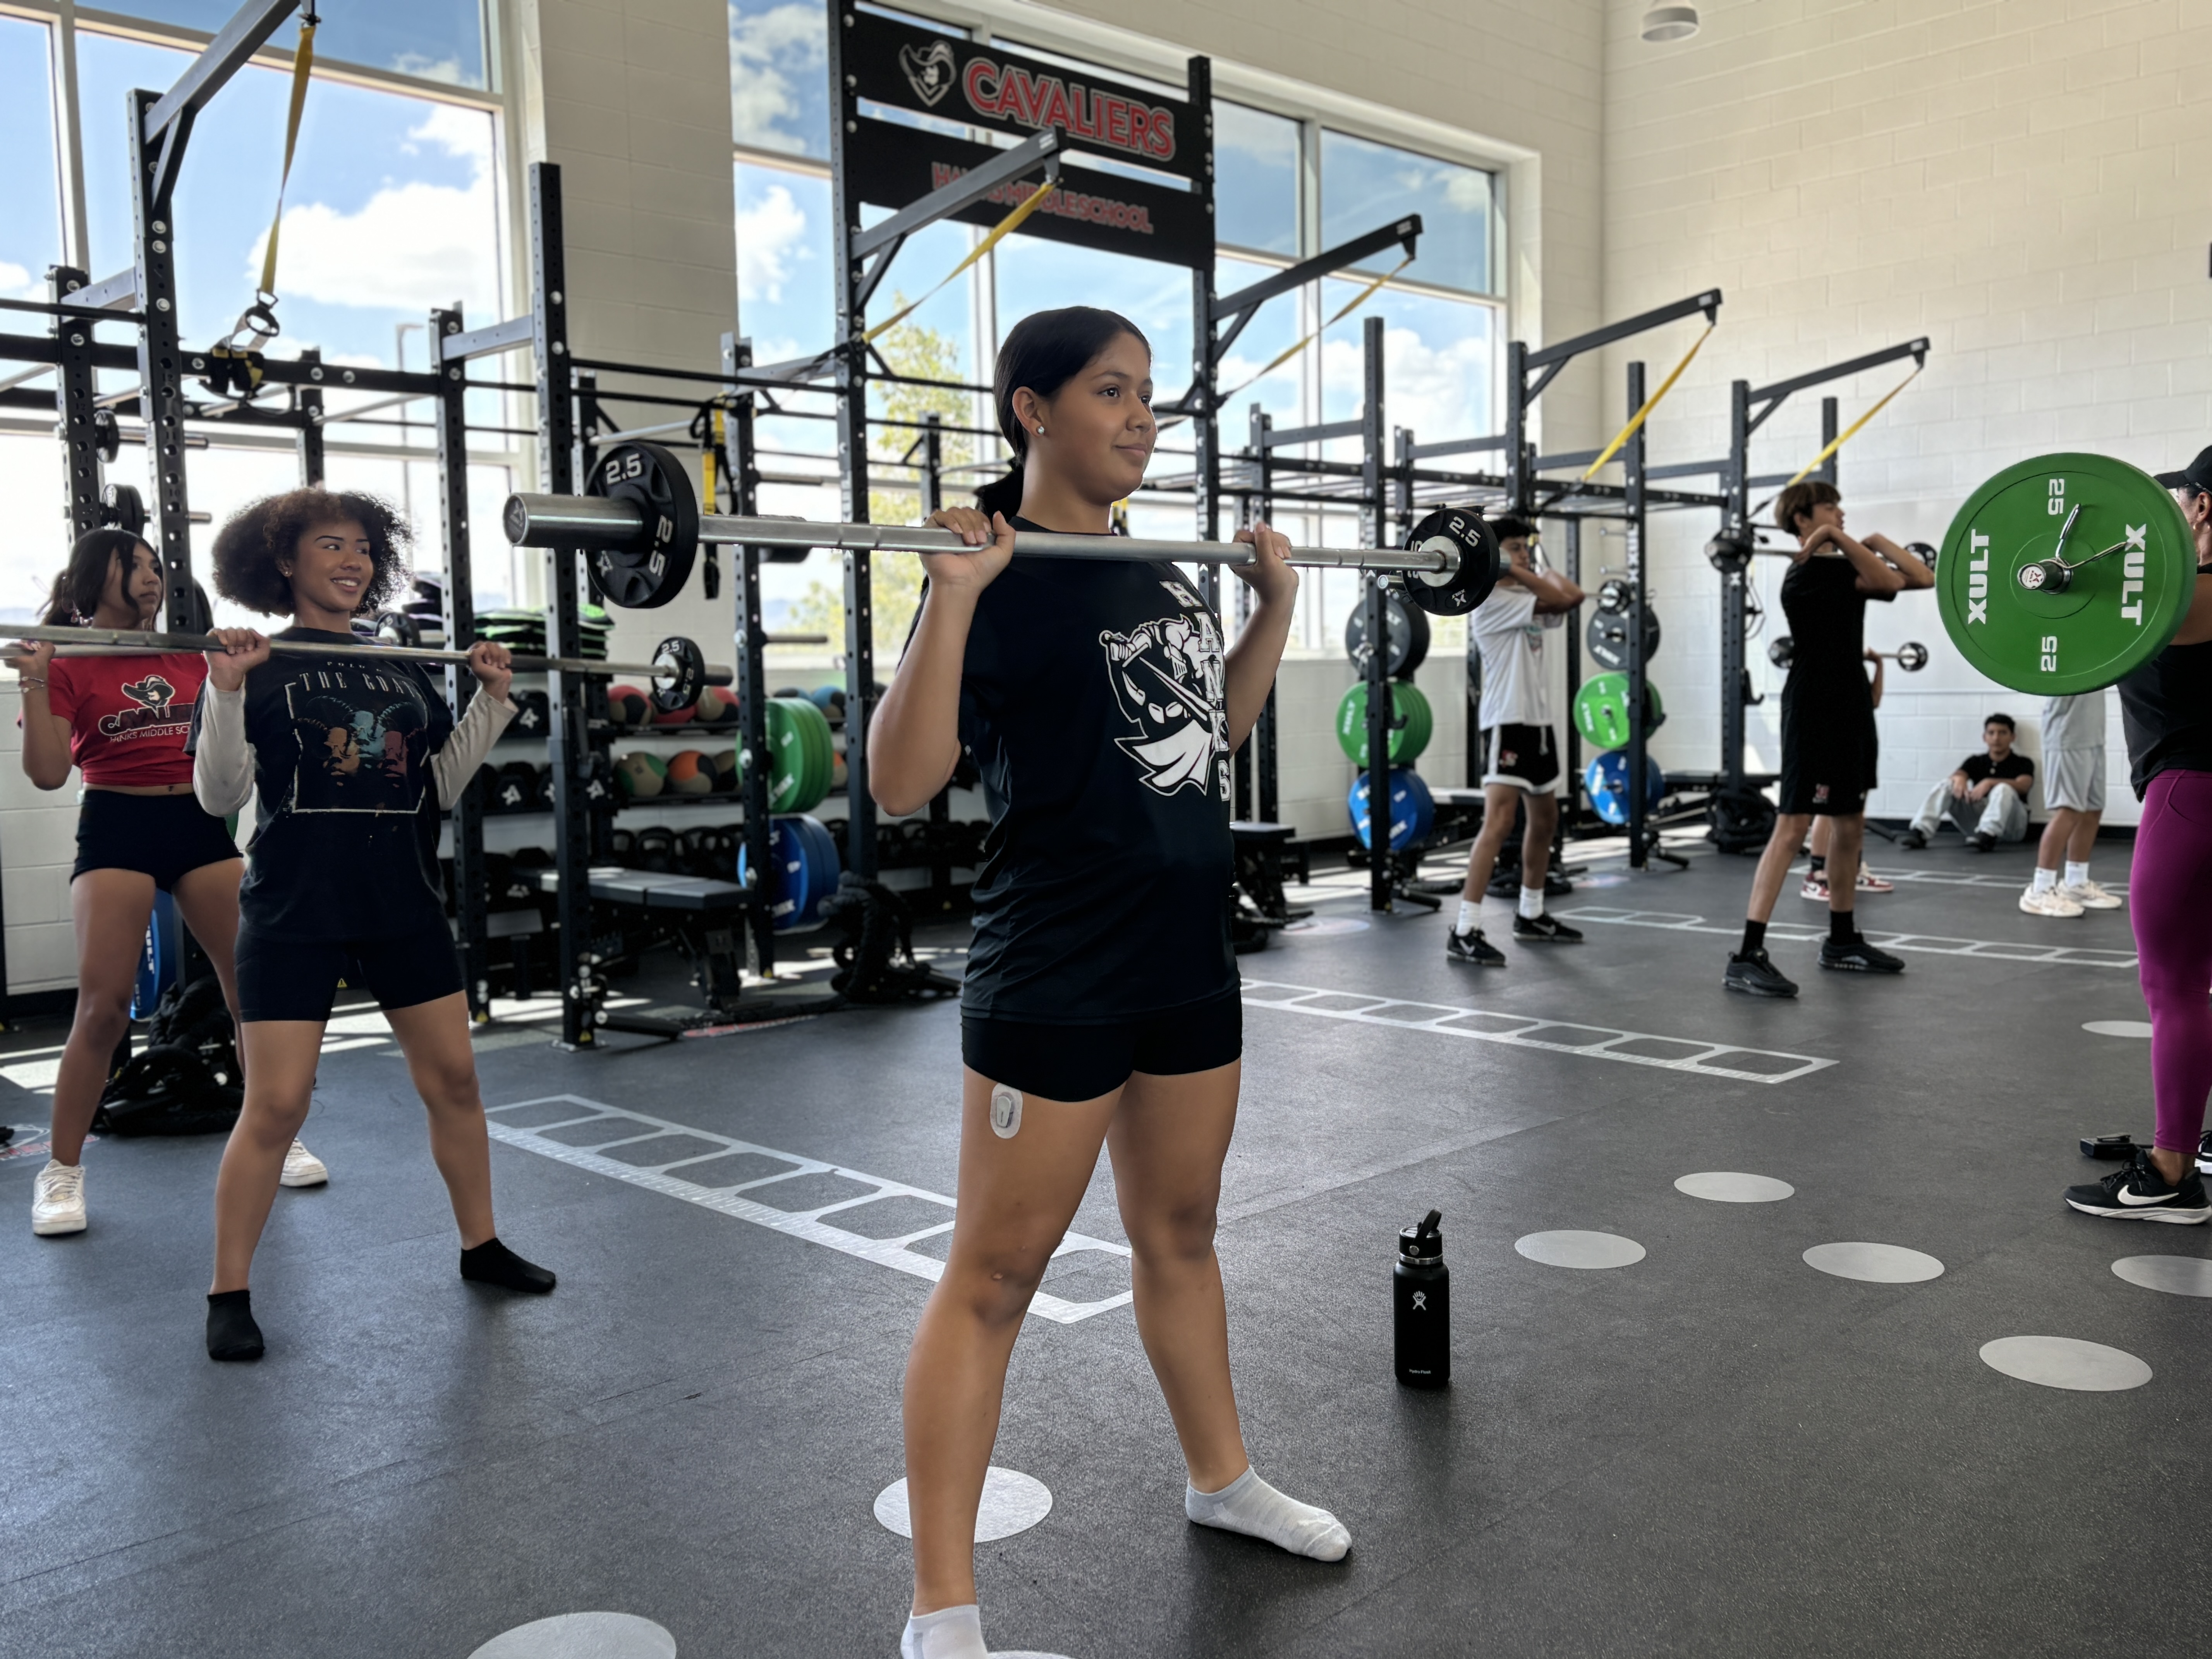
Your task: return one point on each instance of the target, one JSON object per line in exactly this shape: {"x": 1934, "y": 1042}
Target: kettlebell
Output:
{"x": 1421, "y": 1297}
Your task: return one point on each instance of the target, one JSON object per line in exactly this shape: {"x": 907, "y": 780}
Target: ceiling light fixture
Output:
{"x": 1663, "y": 23}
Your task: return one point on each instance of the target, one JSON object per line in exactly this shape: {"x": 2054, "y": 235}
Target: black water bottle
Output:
{"x": 1421, "y": 1291}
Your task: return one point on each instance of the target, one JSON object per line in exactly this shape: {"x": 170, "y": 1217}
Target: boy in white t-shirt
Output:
{"x": 1520, "y": 748}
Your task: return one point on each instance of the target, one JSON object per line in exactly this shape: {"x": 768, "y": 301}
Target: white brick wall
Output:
{"x": 2020, "y": 180}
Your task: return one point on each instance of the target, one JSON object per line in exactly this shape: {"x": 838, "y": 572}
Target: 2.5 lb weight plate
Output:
{"x": 1465, "y": 533}
{"x": 1407, "y": 627}
{"x": 653, "y": 571}
{"x": 2065, "y": 573}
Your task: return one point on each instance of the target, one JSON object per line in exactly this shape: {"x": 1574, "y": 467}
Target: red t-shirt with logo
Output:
{"x": 128, "y": 715}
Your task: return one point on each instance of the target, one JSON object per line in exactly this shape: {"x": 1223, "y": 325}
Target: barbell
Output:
{"x": 678, "y": 672}
{"x": 641, "y": 525}
{"x": 1910, "y": 657}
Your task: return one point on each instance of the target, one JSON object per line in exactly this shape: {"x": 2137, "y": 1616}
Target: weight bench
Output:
{"x": 698, "y": 915}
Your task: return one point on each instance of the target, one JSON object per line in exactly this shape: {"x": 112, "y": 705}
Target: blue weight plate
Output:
{"x": 1413, "y": 809}
{"x": 823, "y": 865}
{"x": 1605, "y": 778}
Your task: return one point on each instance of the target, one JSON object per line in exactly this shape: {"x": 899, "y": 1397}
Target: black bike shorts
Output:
{"x": 1082, "y": 1062}
{"x": 298, "y": 979}
{"x": 165, "y": 837}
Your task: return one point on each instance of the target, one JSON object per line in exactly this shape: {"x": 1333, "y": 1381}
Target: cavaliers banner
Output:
{"x": 891, "y": 166}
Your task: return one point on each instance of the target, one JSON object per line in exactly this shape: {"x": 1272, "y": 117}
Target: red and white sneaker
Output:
{"x": 1870, "y": 882}
{"x": 1815, "y": 888}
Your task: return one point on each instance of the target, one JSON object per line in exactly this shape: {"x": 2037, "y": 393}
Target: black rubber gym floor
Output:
{"x": 1715, "y": 1450}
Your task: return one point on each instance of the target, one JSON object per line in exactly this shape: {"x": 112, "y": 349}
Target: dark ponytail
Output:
{"x": 75, "y": 593}
{"x": 1043, "y": 352}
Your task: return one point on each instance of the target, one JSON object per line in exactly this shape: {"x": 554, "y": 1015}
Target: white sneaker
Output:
{"x": 2090, "y": 897}
{"x": 58, "y": 1200}
{"x": 2050, "y": 902}
{"x": 302, "y": 1168}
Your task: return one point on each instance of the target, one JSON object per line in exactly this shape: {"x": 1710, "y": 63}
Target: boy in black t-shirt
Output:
{"x": 1986, "y": 797}
{"x": 1829, "y": 747}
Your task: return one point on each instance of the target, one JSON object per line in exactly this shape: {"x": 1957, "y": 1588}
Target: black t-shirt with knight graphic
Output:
{"x": 1092, "y": 701}
{"x": 346, "y": 843}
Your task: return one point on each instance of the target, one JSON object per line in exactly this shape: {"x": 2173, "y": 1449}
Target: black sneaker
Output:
{"x": 1757, "y": 976}
{"x": 1544, "y": 930}
{"x": 1981, "y": 841}
{"x": 2139, "y": 1193}
{"x": 1473, "y": 947}
{"x": 1912, "y": 841}
{"x": 2204, "y": 1153}
{"x": 1858, "y": 957}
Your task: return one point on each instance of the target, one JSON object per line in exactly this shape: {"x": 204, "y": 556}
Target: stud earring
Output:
{"x": 1040, "y": 432}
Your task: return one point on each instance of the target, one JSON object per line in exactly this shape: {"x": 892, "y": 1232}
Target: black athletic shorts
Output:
{"x": 298, "y": 979}
{"x": 1830, "y": 756}
{"x": 1082, "y": 1062}
{"x": 164, "y": 836}
{"x": 1526, "y": 757}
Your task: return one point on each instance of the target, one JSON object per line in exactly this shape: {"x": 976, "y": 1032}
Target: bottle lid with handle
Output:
{"x": 1425, "y": 1241}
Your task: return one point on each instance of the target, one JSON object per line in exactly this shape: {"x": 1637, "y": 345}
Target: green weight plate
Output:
{"x": 811, "y": 744}
{"x": 2111, "y": 615}
{"x": 1601, "y": 711}
{"x": 1407, "y": 742}
{"x": 825, "y": 748}
{"x": 789, "y": 758}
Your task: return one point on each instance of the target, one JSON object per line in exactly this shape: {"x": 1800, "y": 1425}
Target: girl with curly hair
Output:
{"x": 120, "y": 723}
{"x": 354, "y": 761}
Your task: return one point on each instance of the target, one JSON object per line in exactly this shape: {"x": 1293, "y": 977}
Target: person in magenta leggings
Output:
{"x": 2166, "y": 707}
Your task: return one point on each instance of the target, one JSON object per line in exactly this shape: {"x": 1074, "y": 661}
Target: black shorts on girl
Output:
{"x": 165, "y": 837}
{"x": 1082, "y": 1062}
{"x": 298, "y": 979}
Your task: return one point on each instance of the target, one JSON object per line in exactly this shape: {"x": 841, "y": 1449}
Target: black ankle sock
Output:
{"x": 1841, "y": 930}
{"x": 1820, "y": 864}
{"x": 492, "y": 1263}
{"x": 231, "y": 1332}
{"x": 1754, "y": 939}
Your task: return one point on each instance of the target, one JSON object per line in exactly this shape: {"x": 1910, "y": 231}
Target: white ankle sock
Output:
{"x": 948, "y": 1633}
{"x": 2046, "y": 879}
{"x": 1531, "y": 901}
{"x": 1470, "y": 916}
{"x": 2077, "y": 874}
{"x": 1249, "y": 1506}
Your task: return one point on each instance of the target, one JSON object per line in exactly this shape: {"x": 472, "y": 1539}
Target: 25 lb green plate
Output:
{"x": 1601, "y": 711}
{"x": 1408, "y": 742}
{"x": 2110, "y": 569}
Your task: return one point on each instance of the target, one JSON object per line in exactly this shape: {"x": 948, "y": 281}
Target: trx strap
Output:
{"x": 999, "y": 232}
{"x": 1852, "y": 430}
{"x": 1649, "y": 403}
{"x": 259, "y": 319}
{"x": 1343, "y": 312}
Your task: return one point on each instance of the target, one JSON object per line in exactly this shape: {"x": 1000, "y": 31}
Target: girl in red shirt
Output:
{"x": 120, "y": 722}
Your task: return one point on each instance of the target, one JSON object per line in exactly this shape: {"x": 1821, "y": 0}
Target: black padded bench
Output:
{"x": 653, "y": 890}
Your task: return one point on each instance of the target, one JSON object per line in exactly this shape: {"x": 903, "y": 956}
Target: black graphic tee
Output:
{"x": 346, "y": 845}
{"x": 1828, "y": 704}
{"x": 1092, "y": 701}
{"x": 2014, "y": 765}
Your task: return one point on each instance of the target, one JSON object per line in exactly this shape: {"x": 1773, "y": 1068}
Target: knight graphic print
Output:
{"x": 1167, "y": 676}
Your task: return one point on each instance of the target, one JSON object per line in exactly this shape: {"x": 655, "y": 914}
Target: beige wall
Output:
{"x": 2022, "y": 181}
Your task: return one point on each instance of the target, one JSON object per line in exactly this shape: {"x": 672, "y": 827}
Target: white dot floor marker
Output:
{"x": 2177, "y": 1275}
{"x": 1726, "y": 1187}
{"x": 2118, "y": 1028}
{"x": 1877, "y": 1264}
{"x": 1580, "y": 1249}
{"x": 582, "y": 1636}
{"x": 2064, "y": 1362}
{"x": 1012, "y": 1502}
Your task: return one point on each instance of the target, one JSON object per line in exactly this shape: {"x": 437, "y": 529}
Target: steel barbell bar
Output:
{"x": 1910, "y": 657}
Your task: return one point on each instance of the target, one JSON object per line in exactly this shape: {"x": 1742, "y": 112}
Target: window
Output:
{"x": 30, "y": 199}
{"x": 432, "y": 40}
{"x": 1256, "y": 179}
{"x": 778, "y": 97}
{"x": 1364, "y": 184}
{"x": 393, "y": 206}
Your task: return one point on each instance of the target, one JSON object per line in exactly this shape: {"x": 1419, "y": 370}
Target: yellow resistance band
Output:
{"x": 1852, "y": 430}
{"x": 303, "y": 60}
{"x": 708, "y": 460}
{"x": 1649, "y": 403}
{"x": 1350, "y": 306}
{"x": 1003, "y": 228}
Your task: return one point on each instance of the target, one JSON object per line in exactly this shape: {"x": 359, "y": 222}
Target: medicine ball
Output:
{"x": 717, "y": 706}
{"x": 690, "y": 773}
{"x": 727, "y": 774}
{"x": 628, "y": 706}
{"x": 639, "y": 776}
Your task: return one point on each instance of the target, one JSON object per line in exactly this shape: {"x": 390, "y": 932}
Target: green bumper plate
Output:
{"x": 1601, "y": 711}
{"x": 2114, "y": 614}
{"x": 1408, "y": 742}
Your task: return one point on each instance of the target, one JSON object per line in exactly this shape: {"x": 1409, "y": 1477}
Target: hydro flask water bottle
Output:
{"x": 1421, "y": 1291}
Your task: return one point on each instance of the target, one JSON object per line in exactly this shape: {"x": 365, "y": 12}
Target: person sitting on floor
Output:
{"x": 1986, "y": 798}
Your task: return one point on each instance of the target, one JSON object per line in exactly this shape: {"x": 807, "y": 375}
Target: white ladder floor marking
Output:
{"x": 730, "y": 1200}
{"x": 1595, "y": 1042}
{"x": 1990, "y": 950}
